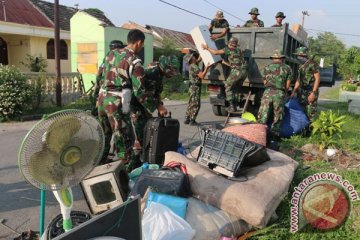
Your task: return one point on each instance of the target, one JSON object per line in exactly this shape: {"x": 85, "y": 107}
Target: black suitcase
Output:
{"x": 160, "y": 135}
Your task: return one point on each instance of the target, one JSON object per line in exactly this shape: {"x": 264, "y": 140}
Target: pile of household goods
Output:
{"x": 229, "y": 185}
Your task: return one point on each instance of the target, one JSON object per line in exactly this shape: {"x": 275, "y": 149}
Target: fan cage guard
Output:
{"x": 89, "y": 139}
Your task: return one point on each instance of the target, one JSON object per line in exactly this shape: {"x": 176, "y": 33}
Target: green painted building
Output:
{"x": 90, "y": 39}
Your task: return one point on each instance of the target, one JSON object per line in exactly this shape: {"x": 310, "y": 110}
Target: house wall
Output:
{"x": 87, "y": 46}
{"x": 38, "y": 48}
{"x": 116, "y": 33}
{"x": 18, "y": 47}
{"x": 90, "y": 42}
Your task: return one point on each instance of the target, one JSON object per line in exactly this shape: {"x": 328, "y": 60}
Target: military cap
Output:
{"x": 219, "y": 15}
{"x": 280, "y": 14}
{"x": 254, "y": 11}
{"x": 301, "y": 51}
{"x": 233, "y": 41}
{"x": 277, "y": 54}
{"x": 170, "y": 65}
{"x": 116, "y": 44}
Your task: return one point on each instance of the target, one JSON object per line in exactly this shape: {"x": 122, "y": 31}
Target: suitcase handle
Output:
{"x": 165, "y": 116}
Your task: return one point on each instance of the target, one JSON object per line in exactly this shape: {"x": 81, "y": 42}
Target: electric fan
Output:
{"x": 57, "y": 153}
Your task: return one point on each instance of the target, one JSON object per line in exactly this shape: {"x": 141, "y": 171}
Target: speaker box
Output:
{"x": 106, "y": 187}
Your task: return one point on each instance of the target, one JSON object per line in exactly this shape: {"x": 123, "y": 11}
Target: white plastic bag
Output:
{"x": 160, "y": 223}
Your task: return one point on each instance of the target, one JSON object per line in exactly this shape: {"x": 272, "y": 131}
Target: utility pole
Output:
{"x": 57, "y": 53}
{"x": 304, "y": 13}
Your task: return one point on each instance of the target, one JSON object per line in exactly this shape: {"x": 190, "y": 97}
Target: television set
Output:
{"x": 106, "y": 187}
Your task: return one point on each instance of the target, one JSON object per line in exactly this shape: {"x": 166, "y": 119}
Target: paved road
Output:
{"x": 19, "y": 201}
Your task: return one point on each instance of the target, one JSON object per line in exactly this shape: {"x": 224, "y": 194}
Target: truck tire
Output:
{"x": 223, "y": 110}
{"x": 216, "y": 110}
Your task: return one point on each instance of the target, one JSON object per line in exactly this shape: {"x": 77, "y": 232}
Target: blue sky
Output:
{"x": 338, "y": 16}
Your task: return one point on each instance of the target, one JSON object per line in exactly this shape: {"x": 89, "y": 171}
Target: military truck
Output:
{"x": 258, "y": 45}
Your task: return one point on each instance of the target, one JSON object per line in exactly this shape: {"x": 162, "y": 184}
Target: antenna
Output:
{"x": 304, "y": 13}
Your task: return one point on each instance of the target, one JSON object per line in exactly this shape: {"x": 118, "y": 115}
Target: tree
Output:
{"x": 349, "y": 64}
{"x": 94, "y": 11}
{"x": 328, "y": 46}
{"x": 168, "y": 48}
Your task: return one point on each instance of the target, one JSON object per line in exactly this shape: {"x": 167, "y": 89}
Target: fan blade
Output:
{"x": 43, "y": 167}
{"x": 61, "y": 131}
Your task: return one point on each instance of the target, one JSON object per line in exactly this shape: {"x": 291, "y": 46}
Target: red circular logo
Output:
{"x": 325, "y": 206}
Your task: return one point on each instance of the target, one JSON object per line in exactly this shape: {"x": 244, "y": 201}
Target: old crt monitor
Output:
{"x": 106, "y": 187}
{"x": 123, "y": 221}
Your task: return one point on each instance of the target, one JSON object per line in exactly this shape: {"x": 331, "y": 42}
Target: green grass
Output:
{"x": 331, "y": 94}
{"x": 280, "y": 229}
{"x": 81, "y": 103}
{"x": 181, "y": 92}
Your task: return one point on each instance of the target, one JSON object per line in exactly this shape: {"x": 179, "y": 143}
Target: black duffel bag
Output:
{"x": 165, "y": 181}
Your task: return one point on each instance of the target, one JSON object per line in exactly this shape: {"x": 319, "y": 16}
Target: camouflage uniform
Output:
{"x": 143, "y": 106}
{"x": 306, "y": 76}
{"x": 276, "y": 76}
{"x": 98, "y": 84}
{"x": 100, "y": 78}
{"x": 195, "y": 93}
{"x": 252, "y": 23}
{"x": 237, "y": 73}
{"x": 118, "y": 79}
{"x": 219, "y": 23}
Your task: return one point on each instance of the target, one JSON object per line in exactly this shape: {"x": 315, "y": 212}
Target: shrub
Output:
{"x": 327, "y": 128}
{"x": 349, "y": 87}
{"x": 35, "y": 64}
{"x": 15, "y": 93}
{"x": 173, "y": 85}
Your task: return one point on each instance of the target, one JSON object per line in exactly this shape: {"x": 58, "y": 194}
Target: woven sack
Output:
{"x": 253, "y": 132}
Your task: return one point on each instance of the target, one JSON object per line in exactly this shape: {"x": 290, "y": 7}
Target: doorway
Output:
{"x": 3, "y": 52}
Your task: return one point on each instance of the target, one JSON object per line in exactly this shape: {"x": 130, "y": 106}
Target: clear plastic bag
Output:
{"x": 160, "y": 223}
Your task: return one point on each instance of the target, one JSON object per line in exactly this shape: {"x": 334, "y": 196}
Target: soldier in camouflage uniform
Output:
{"x": 279, "y": 18}
{"x": 219, "y": 22}
{"x": 237, "y": 65}
{"x": 277, "y": 79}
{"x": 307, "y": 83}
{"x": 254, "y": 21}
{"x": 124, "y": 80}
{"x": 195, "y": 76}
{"x": 142, "y": 108}
{"x": 115, "y": 44}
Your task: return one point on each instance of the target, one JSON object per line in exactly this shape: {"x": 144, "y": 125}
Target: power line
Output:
{"x": 185, "y": 10}
{"x": 346, "y": 34}
{"x": 224, "y": 11}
